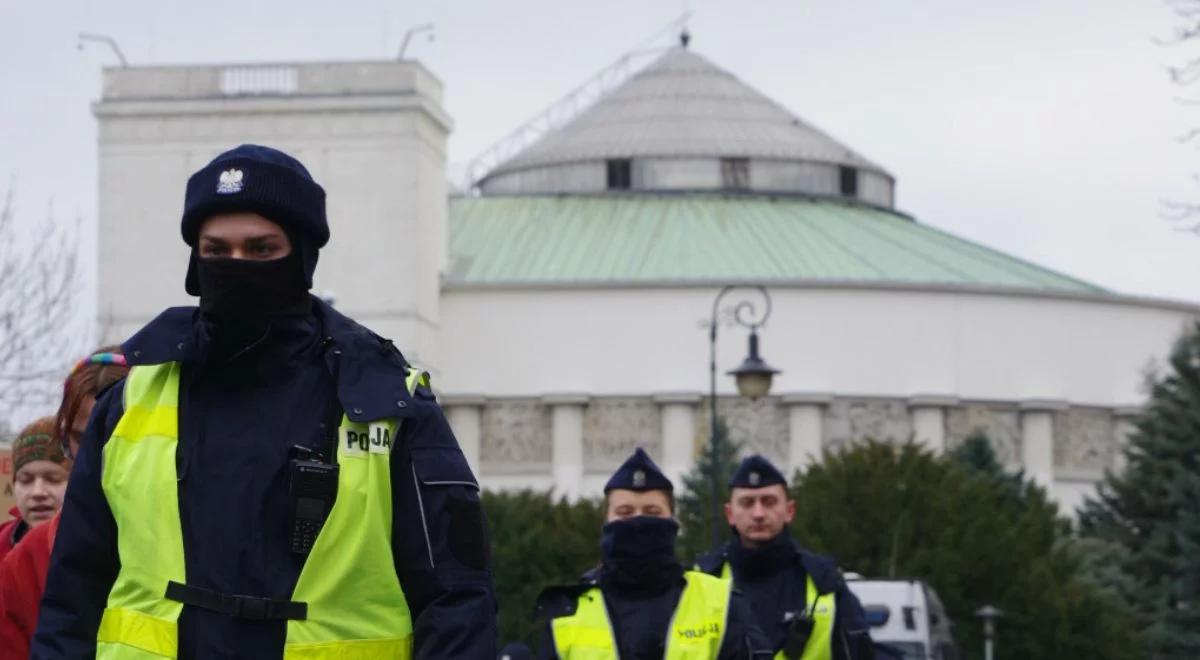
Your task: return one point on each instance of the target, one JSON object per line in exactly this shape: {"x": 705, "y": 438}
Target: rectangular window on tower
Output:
{"x": 735, "y": 173}
{"x": 849, "y": 181}
{"x": 620, "y": 173}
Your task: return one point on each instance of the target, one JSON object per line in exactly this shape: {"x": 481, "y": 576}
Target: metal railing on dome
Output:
{"x": 562, "y": 111}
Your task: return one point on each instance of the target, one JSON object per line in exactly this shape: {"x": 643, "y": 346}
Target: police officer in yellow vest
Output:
{"x": 641, "y": 604}
{"x": 272, "y": 479}
{"x": 802, "y": 603}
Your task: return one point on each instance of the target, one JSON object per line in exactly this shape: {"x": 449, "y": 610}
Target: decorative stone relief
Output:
{"x": 515, "y": 433}
{"x": 614, "y": 427}
{"x": 851, "y": 421}
{"x": 1084, "y": 439}
{"x": 759, "y": 427}
{"x": 1000, "y": 424}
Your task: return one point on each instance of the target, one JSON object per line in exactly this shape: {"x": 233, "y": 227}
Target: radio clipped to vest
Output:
{"x": 800, "y": 628}
{"x": 311, "y": 494}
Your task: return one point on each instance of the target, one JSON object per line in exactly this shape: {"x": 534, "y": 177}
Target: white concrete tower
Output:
{"x": 373, "y": 134}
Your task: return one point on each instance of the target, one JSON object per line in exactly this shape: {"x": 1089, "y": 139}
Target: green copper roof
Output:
{"x": 610, "y": 239}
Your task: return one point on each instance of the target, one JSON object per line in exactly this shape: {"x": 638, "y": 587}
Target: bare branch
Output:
{"x": 39, "y": 335}
{"x": 1186, "y": 74}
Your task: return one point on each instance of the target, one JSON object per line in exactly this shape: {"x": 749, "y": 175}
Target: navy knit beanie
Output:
{"x": 264, "y": 181}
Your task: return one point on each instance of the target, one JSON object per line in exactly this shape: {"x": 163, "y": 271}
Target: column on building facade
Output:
{"x": 465, "y": 414}
{"x": 806, "y": 428}
{"x": 1125, "y": 417}
{"x": 566, "y": 433}
{"x": 929, "y": 420}
{"x": 677, "y": 415}
{"x": 1037, "y": 439}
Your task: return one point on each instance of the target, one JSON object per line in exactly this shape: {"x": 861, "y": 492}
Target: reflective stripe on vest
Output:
{"x": 822, "y": 608}
{"x": 356, "y": 608}
{"x": 696, "y": 631}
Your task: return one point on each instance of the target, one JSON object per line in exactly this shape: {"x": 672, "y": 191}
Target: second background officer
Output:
{"x": 802, "y": 603}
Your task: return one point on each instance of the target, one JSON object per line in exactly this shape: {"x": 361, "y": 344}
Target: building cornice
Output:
{"x": 1102, "y": 297}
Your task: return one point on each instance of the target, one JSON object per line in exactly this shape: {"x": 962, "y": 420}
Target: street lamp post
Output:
{"x": 753, "y": 378}
{"x": 989, "y": 614}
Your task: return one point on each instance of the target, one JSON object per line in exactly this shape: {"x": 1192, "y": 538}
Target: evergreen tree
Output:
{"x": 693, "y": 503}
{"x": 1144, "y": 526}
{"x": 976, "y": 454}
{"x": 537, "y": 541}
{"x": 978, "y": 457}
{"x": 899, "y": 511}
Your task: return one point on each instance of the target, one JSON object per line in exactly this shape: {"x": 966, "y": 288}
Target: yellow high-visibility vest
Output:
{"x": 356, "y": 609}
{"x": 822, "y": 608}
{"x": 696, "y": 630}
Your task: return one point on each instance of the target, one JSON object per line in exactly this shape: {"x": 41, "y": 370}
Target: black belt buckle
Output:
{"x": 254, "y": 608}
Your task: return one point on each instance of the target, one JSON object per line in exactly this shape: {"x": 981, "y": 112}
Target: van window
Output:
{"x": 937, "y": 613}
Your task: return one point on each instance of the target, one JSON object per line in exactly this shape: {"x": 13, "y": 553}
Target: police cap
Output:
{"x": 756, "y": 472}
{"x": 638, "y": 473}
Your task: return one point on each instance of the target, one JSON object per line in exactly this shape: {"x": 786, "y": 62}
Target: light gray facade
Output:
{"x": 1065, "y": 448}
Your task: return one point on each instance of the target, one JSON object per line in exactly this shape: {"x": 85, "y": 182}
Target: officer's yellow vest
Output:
{"x": 356, "y": 608}
{"x": 695, "y": 632}
{"x": 822, "y": 608}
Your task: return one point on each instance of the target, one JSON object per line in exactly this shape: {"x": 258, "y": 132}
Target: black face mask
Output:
{"x": 640, "y": 552}
{"x": 242, "y": 296}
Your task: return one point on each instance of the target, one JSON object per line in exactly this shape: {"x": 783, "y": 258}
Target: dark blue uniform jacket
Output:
{"x": 239, "y": 416}
{"x": 777, "y": 584}
{"x": 641, "y": 619}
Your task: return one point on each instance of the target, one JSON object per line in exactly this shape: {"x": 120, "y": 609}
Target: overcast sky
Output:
{"x": 1043, "y": 128}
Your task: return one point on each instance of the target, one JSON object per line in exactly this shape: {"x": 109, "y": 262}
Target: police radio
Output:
{"x": 799, "y": 626}
{"x": 311, "y": 493}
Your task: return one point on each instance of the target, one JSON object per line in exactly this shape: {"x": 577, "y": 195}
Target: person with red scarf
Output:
{"x": 23, "y": 571}
{"x": 40, "y": 471}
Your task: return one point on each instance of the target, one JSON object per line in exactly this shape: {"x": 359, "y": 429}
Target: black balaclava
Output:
{"x": 639, "y": 553}
{"x": 250, "y": 292}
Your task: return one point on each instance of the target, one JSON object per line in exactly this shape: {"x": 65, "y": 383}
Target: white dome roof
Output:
{"x": 682, "y": 105}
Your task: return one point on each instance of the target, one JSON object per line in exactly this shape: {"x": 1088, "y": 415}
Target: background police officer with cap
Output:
{"x": 271, "y": 474}
{"x": 802, "y": 603}
{"x": 641, "y": 604}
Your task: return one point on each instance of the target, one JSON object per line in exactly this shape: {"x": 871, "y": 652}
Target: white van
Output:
{"x": 907, "y": 615}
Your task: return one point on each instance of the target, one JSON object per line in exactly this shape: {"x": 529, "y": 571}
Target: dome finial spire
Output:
{"x": 684, "y": 37}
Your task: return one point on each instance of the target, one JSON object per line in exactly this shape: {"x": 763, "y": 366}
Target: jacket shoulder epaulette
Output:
{"x": 711, "y": 562}
{"x": 560, "y": 600}
{"x": 823, "y": 570}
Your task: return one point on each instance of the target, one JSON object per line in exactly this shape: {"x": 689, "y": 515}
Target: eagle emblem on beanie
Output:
{"x": 230, "y": 182}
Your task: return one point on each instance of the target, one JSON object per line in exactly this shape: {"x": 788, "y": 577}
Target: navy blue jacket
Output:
{"x": 641, "y": 620}
{"x": 239, "y": 416}
{"x": 783, "y": 588}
